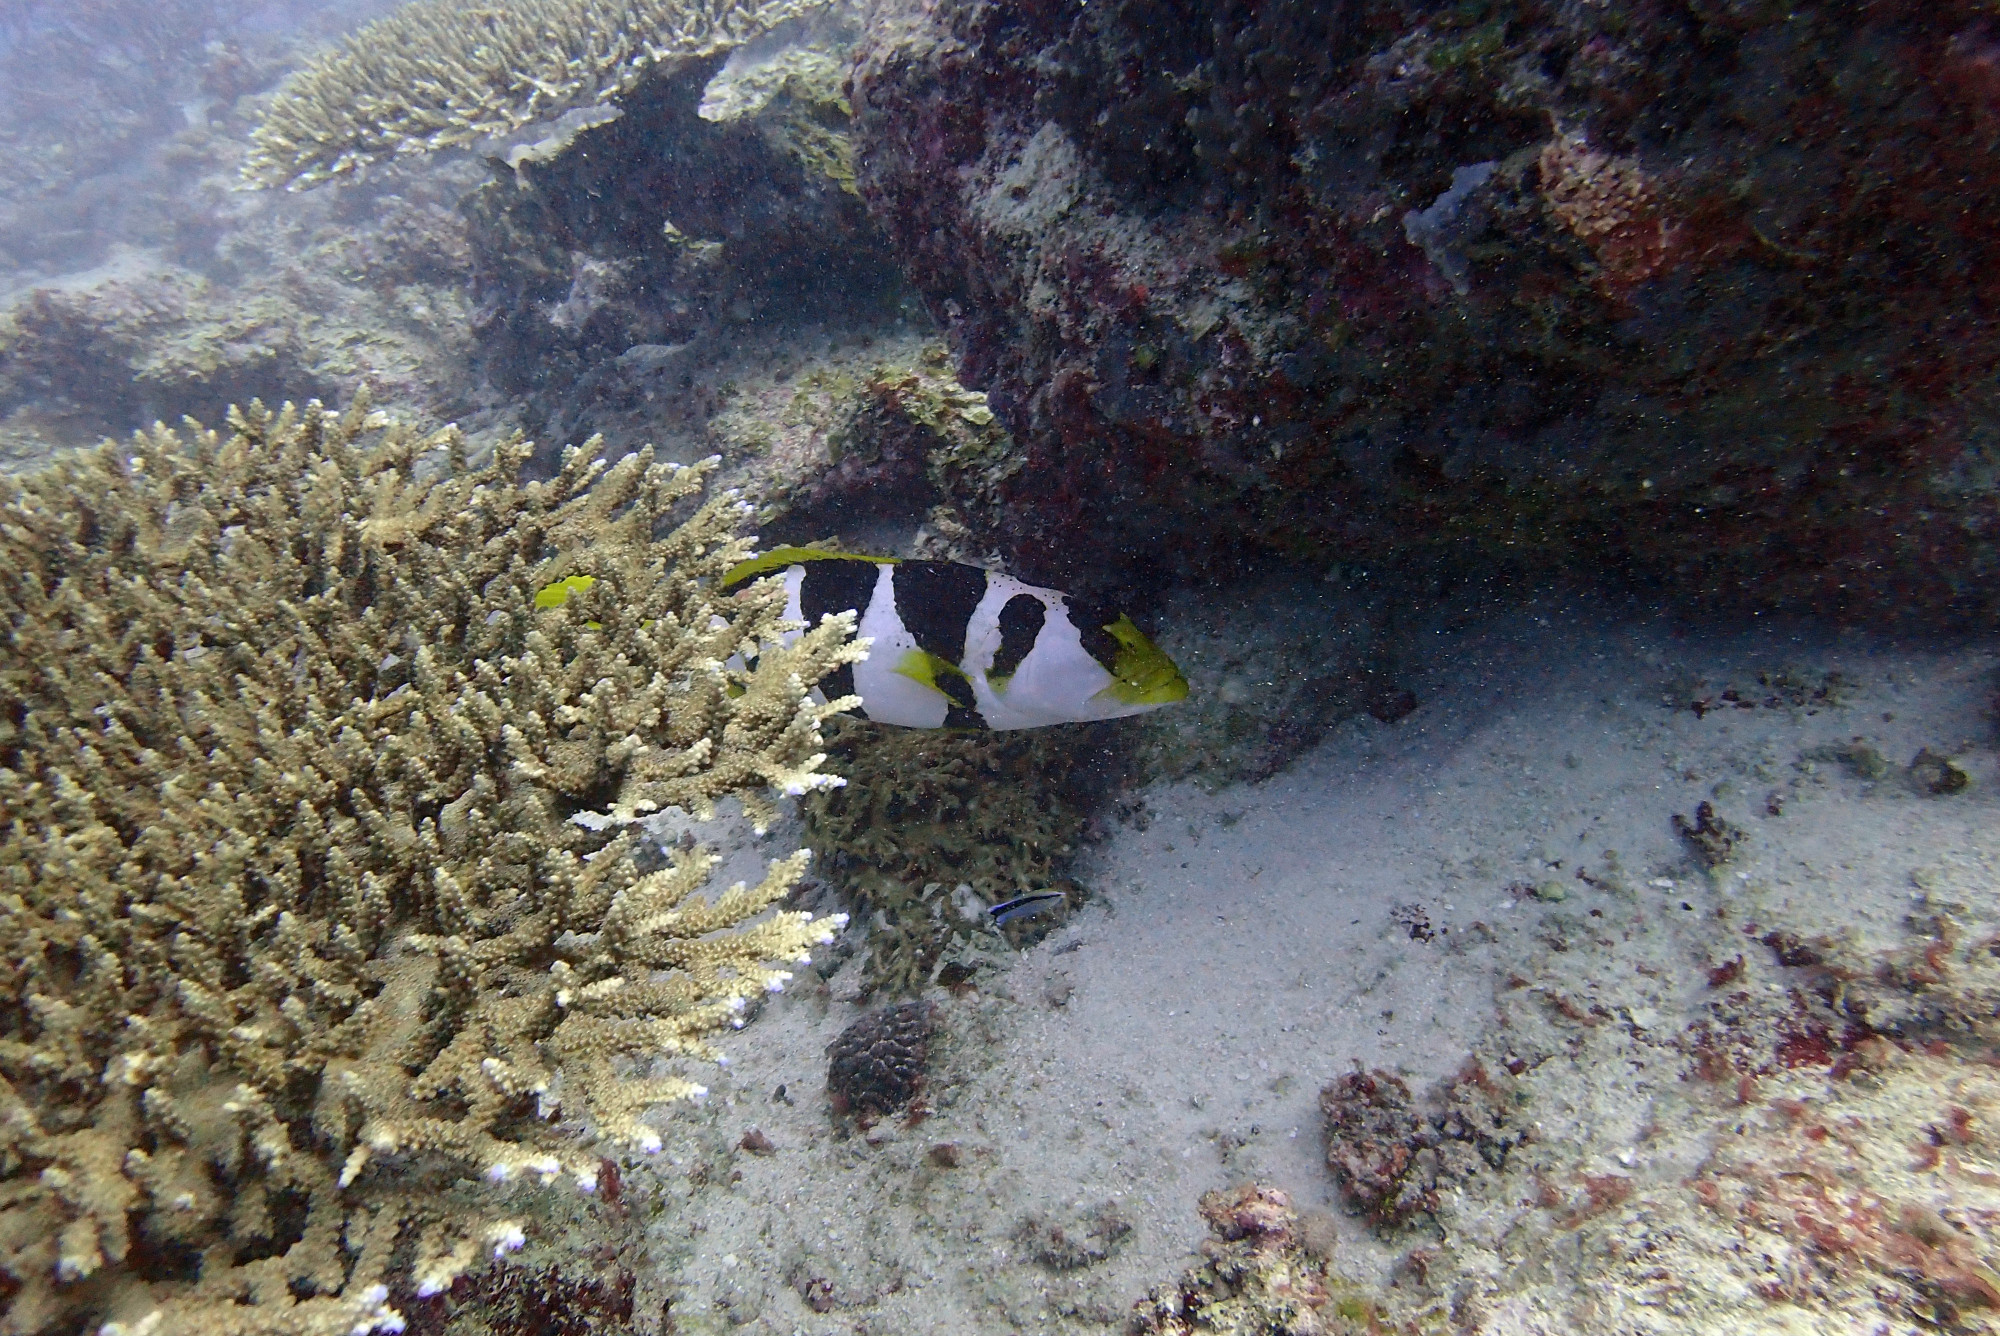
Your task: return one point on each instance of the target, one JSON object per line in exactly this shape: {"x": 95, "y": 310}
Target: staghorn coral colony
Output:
{"x": 438, "y": 75}
{"x": 300, "y": 931}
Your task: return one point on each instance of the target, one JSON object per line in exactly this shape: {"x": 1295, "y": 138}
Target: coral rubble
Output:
{"x": 1257, "y": 1278}
{"x": 1841, "y": 1173}
{"x": 1091, "y": 1237}
{"x": 300, "y": 942}
{"x": 1726, "y": 1112}
{"x": 1391, "y": 1155}
{"x": 1712, "y": 839}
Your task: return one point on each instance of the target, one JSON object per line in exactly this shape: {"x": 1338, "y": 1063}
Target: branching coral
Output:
{"x": 437, "y": 74}
{"x": 296, "y": 932}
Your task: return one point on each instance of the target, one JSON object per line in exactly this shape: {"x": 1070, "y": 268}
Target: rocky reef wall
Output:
{"x": 1701, "y": 291}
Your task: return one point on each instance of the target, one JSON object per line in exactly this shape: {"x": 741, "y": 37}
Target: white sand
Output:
{"x": 1243, "y": 949}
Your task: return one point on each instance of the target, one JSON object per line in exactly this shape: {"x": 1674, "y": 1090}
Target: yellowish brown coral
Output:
{"x": 799, "y": 101}
{"x": 439, "y": 74}
{"x": 297, "y": 933}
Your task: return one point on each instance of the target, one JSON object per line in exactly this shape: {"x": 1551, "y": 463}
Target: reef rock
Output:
{"x": 1703, "y": 290}
{"x": 632, "y": 267}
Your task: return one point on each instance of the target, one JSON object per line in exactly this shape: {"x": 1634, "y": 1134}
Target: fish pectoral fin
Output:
{"x": 926, "y": 669}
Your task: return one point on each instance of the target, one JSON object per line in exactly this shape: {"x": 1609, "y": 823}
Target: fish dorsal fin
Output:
{"x": 931, "y": 670}
{"x": 778, "y": 558}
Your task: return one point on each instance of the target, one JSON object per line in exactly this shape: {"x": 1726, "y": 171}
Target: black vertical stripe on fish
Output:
{"x": 962, "y": 706}
{"x": 1090, "y": 618}
{"x": 935, "y": 600}
{"x": 833, "y": 585}
{"x": 1020, "y": 622}
{"x": 840, "y": 682}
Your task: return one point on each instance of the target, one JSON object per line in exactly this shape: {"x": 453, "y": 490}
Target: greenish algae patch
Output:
{"x": 934, "y": 827}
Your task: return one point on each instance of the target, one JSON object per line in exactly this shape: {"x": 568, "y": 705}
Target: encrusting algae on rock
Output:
{"x": 1259, "y": 1276}
{"x": 298, "y": 937}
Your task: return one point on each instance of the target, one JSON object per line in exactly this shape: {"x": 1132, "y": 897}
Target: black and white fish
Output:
{"x": 955, "y": 646}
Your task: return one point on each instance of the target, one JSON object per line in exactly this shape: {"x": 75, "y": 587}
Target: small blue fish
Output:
{"x": 1024, "y": 906}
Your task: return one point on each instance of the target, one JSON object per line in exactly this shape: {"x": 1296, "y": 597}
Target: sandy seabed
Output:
{"x": 1706, "y": 1132}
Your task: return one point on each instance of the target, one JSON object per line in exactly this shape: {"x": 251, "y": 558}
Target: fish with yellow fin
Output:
{"x": 957, "y": 646}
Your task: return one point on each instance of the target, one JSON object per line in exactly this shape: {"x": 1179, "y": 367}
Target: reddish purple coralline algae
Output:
{"x": 1728, "y": 285}
{"x": 1393, "y": 1155}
